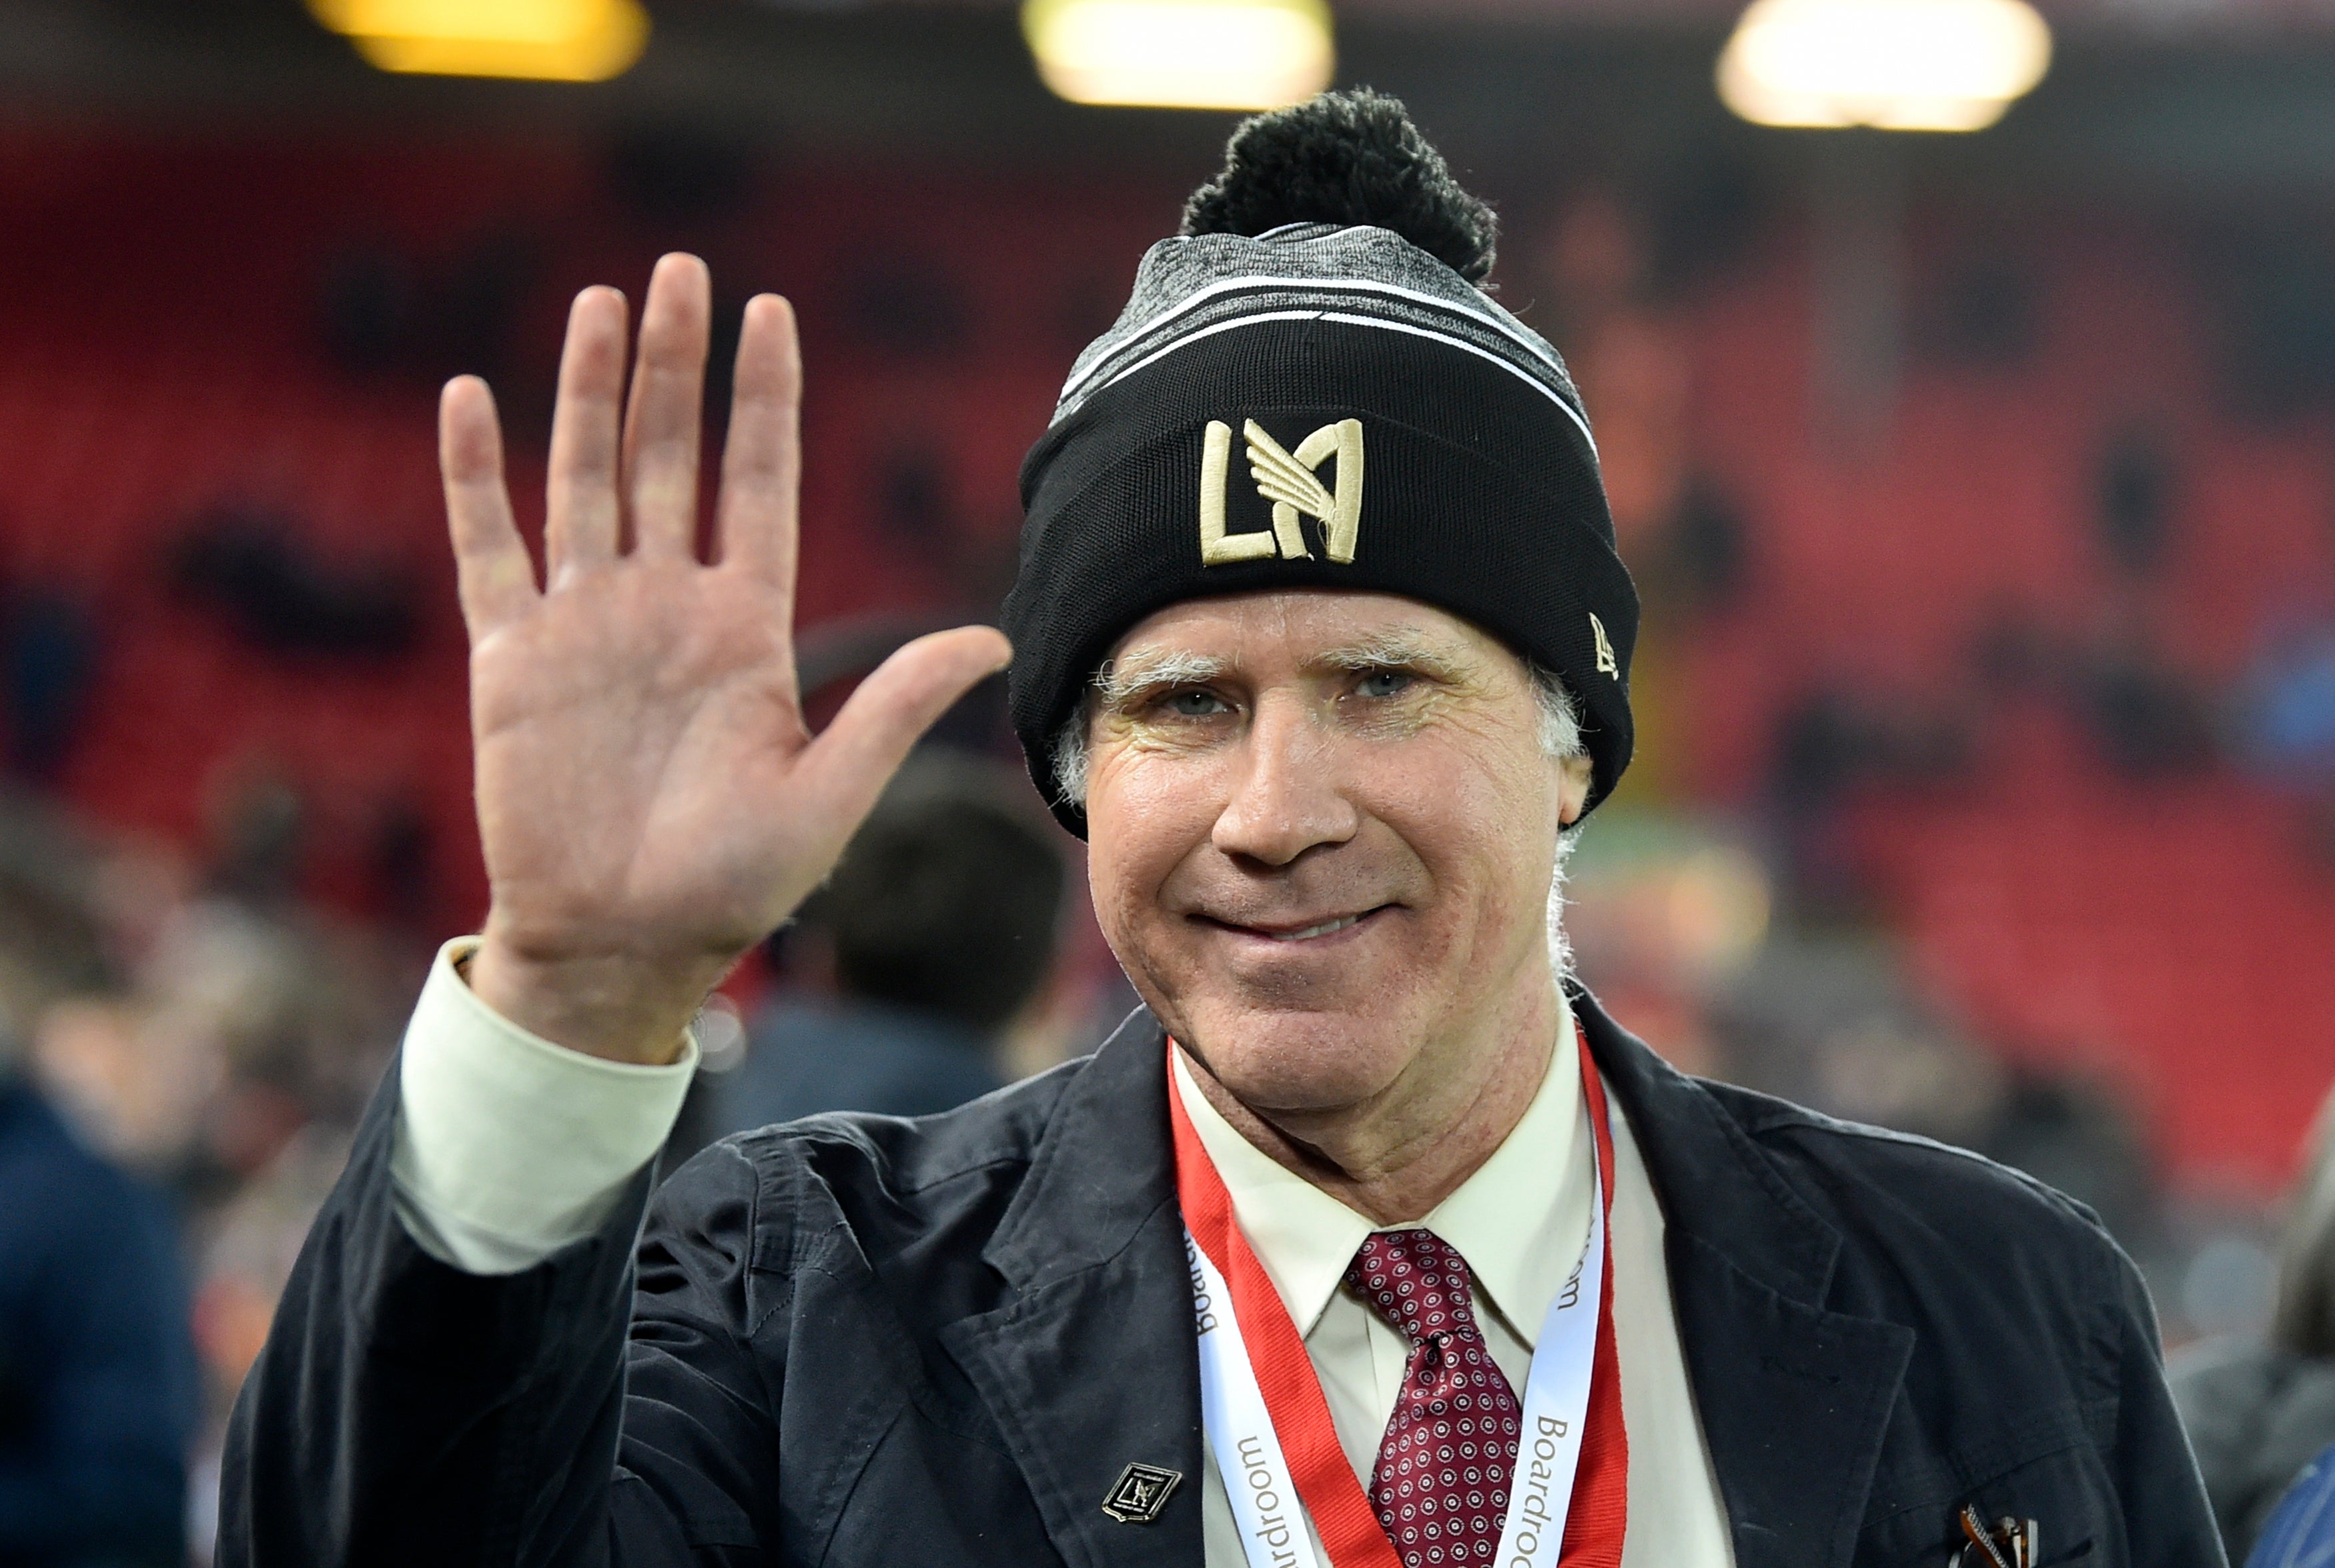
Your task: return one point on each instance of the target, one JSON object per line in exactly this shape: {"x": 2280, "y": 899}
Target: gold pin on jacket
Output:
{"x": 1139, "y": 1493}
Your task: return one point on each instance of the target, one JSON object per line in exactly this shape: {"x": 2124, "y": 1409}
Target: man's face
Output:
{"x": 1322, "y": 832}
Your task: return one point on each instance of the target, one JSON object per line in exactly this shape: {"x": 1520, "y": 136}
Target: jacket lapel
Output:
{"x": 1092, "y": 1366}
{"x": 1793, "y": 1398}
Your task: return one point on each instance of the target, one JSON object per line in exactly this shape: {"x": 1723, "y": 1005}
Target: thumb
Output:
{"x": 856, "y": 755}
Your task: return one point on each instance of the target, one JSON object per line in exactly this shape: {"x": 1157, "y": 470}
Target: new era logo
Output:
{"x": 1606, "y": 664}
{"x": 1291, "y": 482}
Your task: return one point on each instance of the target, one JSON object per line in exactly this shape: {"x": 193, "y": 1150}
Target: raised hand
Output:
{"x": 650, "y": 800}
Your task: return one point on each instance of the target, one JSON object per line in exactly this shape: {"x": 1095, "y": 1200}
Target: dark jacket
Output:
{"x": 97, "y": 1361}
{"x": 856, "y": 1340}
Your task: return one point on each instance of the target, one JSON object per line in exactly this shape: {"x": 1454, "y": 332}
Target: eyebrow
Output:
{"x": 1126, "y": 681}
{"x": 1396, "y": 649}
{"x": 1143, "y": 673}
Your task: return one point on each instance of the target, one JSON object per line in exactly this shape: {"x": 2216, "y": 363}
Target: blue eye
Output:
{"x": 1195, "y": 704}
{"x": 1384, "y": 682}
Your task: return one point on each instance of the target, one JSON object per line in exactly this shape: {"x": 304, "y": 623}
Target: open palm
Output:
{"x": 650, "y": 800}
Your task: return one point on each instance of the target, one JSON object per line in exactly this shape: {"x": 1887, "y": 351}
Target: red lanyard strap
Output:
{"x": 1318, "y": 1469}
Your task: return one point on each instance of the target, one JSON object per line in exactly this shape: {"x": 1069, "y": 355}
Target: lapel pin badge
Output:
{"x": 1139, "y": 1493}
{"x": 2009, "y": 1543}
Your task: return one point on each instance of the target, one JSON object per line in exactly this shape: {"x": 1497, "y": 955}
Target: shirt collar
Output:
{"x": 1520, "y": 1220}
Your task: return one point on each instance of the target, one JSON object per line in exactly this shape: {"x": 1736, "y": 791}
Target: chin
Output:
{"x": 1299, "y": 1062}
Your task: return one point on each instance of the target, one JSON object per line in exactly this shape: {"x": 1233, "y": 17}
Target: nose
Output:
{"x": 1287, "y": 799}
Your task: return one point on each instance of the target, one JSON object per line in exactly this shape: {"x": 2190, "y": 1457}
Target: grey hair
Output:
{"x": 1560, "y": 740}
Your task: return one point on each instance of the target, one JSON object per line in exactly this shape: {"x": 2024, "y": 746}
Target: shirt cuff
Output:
{"x": 509, "y": 1147}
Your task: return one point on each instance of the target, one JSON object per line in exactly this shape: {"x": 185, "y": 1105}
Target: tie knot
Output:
{"x": 1417, "y": 1280}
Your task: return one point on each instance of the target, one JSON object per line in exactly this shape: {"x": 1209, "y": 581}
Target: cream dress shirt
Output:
{"x": 509, "y": 1148}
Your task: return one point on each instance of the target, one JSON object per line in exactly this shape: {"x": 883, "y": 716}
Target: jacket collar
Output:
{"x": 1794, "y": 1396}
{"x": 1103, "y": 1168}
{"x": 1519, "y": 1220}
{"x": 1713, "y": 1183}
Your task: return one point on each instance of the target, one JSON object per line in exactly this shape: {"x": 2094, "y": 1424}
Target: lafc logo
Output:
{"x": 1141, "y": 1493}
{"x": 1288, "y": 479}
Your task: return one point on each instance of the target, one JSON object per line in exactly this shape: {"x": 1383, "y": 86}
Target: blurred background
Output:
{"x": 1968, "y": 410}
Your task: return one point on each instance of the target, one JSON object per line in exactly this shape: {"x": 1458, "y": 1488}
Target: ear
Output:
{"x": 1574, "y": 777}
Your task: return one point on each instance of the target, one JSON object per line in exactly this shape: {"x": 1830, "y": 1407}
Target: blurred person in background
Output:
{"x": 1833, "y": 1021}
{"x": 2287, "y": 722}
{"x": 2300, "y": 1531}
{"x": 97, "y": 1371}
{"x": 98, "y": 1387}
{"x": 2258, "y": 1413}
{"x": 935, "y": 930}
{"x": 216, "y": 1044}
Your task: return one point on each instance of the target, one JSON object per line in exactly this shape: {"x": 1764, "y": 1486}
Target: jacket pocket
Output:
{"x": 2035, "y": 1465}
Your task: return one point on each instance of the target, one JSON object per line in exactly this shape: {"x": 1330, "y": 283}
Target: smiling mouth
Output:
{"x": 1324, "y": 929}
{"x": 1304, "y": 934}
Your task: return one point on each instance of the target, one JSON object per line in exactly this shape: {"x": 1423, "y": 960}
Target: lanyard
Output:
{"x": 1269, "y": 1427}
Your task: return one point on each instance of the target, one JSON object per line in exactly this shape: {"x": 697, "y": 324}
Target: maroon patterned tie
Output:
{"x": 1441, "y": 1483}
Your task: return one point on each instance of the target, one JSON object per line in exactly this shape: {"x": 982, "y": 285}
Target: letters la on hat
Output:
{"x": 1308, "y": 390}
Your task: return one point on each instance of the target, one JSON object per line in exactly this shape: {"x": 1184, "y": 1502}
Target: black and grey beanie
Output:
{"x": 1309, "y": 390}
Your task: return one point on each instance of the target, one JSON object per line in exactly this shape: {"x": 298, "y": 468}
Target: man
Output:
{"x": 2300, "y": 1531}
{"x": 98, "y": 1389}
{"x": 2259, "y": 1410}
{"x": 1370, "y": 1240}
{"x": 935, "y": 930}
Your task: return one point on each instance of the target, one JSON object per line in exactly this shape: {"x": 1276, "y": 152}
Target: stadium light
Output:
{"x": 1894, "y": 64}
{"x": 539, "y": 40}
{"x": 1182, "y": 53}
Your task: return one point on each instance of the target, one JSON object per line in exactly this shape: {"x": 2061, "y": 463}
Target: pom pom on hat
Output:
{"x": 1350, "y": 158}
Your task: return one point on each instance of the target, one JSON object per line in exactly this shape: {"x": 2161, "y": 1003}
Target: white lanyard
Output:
{"x": 1266, "y": 1509}
{"x": 1265, "y": 1505}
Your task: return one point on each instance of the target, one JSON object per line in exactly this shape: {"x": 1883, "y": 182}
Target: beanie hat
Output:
{"x": 1308, "y": 390}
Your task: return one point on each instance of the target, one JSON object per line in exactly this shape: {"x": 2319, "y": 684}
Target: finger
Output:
{"x": 580, "y": 526}
{"x": 762, "y": 464}
{"x": 663, "y": 421}
{"x": 491, "y": 565}
{"x": 848, "y": 765}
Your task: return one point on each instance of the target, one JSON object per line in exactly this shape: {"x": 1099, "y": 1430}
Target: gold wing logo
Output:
{"x": 1288, "y": 479}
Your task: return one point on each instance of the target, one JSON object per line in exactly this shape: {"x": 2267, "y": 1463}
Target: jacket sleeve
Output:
{"x": 405, "y": 1411}
{"x": 2168, "y": 1524}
